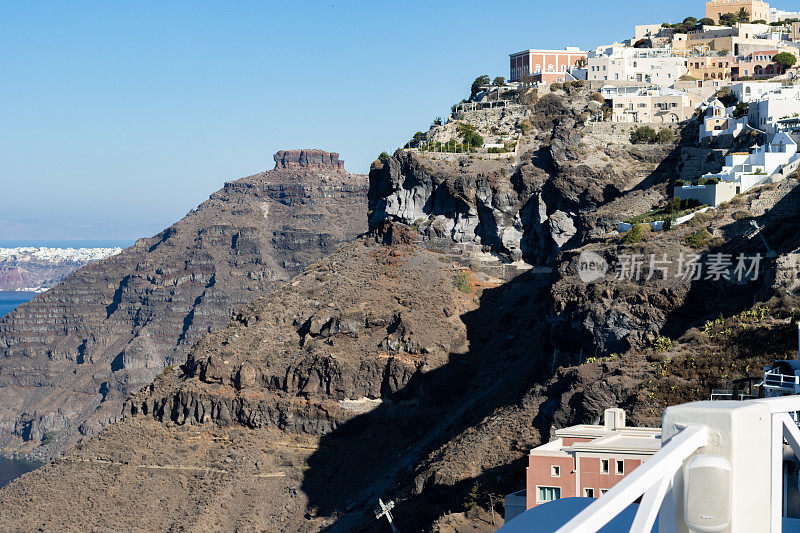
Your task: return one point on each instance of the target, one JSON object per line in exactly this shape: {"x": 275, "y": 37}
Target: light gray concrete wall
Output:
{"x": 707, "y": 194}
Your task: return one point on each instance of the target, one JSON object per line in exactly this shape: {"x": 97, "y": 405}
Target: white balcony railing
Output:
{"x": 777, "y": 380}
{"x": 713, "y": 433}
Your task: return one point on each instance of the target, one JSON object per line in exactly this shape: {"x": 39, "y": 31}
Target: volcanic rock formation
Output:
{"x": 70, "y": 356}
{"x": 397, "y": 368}
{"x": 318, "y": 159}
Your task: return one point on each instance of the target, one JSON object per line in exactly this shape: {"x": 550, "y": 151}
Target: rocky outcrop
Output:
{"x": 69, "y": 357}
{"x": 528, "y": 208}
{"x": 310, "y": 159}
{"x": 342, "y": 331}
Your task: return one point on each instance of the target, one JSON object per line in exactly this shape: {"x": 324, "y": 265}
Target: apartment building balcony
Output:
{"x": 778, "y": 384}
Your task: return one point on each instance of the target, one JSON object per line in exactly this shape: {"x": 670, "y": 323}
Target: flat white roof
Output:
{"x": 621, "y": 443}
{"x": 567, "y": 50}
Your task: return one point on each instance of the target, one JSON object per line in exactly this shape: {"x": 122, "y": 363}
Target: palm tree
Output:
{"x": 743, "y": 15}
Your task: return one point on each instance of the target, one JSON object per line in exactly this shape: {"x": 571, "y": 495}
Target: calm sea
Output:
{"x": 10, "y": 300}
{"x": 12, "y": 469}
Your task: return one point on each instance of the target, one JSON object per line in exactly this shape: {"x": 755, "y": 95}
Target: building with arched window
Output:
{"x": 547, "y": 66}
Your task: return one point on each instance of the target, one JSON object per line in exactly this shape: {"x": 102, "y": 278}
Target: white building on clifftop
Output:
{"x": 616, "y": 62}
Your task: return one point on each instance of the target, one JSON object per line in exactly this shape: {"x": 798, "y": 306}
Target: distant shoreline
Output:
{"x": 67, "y": 243}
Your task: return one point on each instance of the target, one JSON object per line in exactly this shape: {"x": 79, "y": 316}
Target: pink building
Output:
{"x": 757, "y": 64}
{"x": 587, "y": 460}
{"x": 547, "y": 65}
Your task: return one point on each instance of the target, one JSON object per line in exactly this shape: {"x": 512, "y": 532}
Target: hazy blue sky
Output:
{"x": 119, "y": 117}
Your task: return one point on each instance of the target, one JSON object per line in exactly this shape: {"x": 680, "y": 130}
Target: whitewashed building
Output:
{"x": 718, "y": 121}
{"x": 750, "y": 91}
{"x": 748, "y": 169}
{"x": 782, "y": 103}
{"x": 645, "y": 65}
{"x": 778, "y": 15}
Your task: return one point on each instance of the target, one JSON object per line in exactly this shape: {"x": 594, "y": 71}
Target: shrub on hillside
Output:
{"x": 470, "y": 136}
{"x": 637, "y": 233}
{"x": 462, "y": 282}
{"x": 742, "y": 214}
{"x": 665, "y": 135}
{"x": 556, "y": 86}
{"x": 599, "y": 98}
{"x": 698, "y": 239}
{"x": 700, "y": 219}
{"x": 644, "y": 135}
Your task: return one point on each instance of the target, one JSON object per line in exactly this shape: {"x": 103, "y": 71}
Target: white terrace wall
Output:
{"x": 707, "y": 194}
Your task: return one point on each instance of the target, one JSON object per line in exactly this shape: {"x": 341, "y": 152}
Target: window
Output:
{"x": 555, "y": 471}
{"x": 604, "y": 466}
{"x": 588, "y": 493}
{"x": 621, "y": 465}
{"x": 548, "y": 494}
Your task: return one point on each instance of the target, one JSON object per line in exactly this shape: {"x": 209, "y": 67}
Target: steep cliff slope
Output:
{"x": 70, "y": 356}
{"x": 400, "y": 367}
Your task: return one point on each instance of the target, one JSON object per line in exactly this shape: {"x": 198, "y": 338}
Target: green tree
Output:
{"x": 643, "y": 135}
{"x": 480, "y": 81}
{"x": 785, "y": 60}
{"x": 728, "y": 19}
{"x": 690, "y": 21}
{"x": 707, "y": 22}
{"x": 741, "y": 110}
{"x": 743, "y": 15}
{"x": 470, "y": 136}
{"x": 499, "y": 81}
{"x": 665, "y": 135}
{"x": 437, "y": 121}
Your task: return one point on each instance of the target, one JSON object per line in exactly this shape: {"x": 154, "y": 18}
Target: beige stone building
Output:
{"x": 659, "y": 106}
{"x": 758, "y": 9}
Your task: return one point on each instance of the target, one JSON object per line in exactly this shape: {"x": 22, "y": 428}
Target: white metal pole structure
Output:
{"x": 719, "y": 470}
{"x": 385, "y": 510}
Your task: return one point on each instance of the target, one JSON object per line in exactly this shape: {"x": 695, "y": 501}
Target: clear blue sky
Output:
{"x": 119, "y": 117}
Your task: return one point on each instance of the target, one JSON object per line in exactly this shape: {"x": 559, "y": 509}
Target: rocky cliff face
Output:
{"x": 394, "y": 368}
{"x": 70, "y": 356}
{"x": 317, "y": 159}
{"x": 527, "y": 208}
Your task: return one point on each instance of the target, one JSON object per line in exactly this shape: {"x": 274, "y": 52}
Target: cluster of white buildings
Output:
{"x": 661, "y": 76}
{"x": 617, "y": 62}
{"x": 56, "y": 255}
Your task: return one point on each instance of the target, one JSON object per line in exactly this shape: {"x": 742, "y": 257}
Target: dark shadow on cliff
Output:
{"x": 379, "y": 454}
{"x": 780, "y": 227}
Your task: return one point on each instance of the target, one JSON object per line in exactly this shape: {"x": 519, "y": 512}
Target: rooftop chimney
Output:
{"x": 614, "y": 418}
